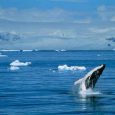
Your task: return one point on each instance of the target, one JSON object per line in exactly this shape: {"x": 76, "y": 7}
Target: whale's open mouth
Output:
{"x": 92, "y": 76}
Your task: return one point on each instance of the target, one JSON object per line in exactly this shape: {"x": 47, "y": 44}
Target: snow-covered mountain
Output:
{"x": 112, "y": 39}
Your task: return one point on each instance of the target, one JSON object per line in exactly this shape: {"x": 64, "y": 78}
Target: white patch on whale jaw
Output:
{"x": 91, "y": 81}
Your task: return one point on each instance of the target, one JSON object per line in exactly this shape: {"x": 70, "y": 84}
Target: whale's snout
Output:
{"x": 102, "y": 67}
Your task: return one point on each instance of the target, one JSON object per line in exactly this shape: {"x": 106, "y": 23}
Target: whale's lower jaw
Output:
{"x": 92, "y": 78}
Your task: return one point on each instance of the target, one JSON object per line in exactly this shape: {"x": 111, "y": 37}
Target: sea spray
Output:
{"x": 83, "y": 92}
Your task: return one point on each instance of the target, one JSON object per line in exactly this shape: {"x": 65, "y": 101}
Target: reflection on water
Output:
{"x": 90, "y": 101}
{"x": 91, "y": 104}
{"x": 96, "y": 103}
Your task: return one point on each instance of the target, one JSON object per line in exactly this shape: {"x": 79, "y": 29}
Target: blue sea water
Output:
{"x": 41, "y": 89}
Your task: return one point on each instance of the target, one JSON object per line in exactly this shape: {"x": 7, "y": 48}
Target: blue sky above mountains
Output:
{"x": 57, "y": 24}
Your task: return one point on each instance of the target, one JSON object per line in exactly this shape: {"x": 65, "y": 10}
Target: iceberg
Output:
{"x": 27, "y": 50}
{"x": 18, "y": 63}
{"x": 9, "y": 50}
{"x": 70, "y": 68}
{"x": 14, "y": 68}
{"x": 1, "y": 55}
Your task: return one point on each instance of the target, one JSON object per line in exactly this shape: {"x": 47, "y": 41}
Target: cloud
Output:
{"x": 112, "y": 19}
{"x": 56, "y": 22}
{"x": 37, "y": 15}
{"x": 101, "y": 8}
{"x": 83, "y": 21}
{"x": 106, "y": 13}
{"x": 33, "y": 15}
{"x": 102, "y": 30}
{"x": 102, "y": 12}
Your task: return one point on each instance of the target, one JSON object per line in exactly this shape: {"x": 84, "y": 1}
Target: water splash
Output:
{"x": 88, "y": 93}
{"x": 83, "y": 92}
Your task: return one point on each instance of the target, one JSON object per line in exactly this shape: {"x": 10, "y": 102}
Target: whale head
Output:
{"x": 92, "y": 77}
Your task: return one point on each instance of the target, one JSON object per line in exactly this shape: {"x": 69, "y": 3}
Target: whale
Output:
{"x": 90, "y": 79}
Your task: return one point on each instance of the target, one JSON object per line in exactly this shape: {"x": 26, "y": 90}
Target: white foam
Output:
{"x": 89, "y": 92}
{"x": 81, "y": 89}
{"x": 18, "y": 63}
{"x": 14, "y": 68}
{"x": 71, "y": 68}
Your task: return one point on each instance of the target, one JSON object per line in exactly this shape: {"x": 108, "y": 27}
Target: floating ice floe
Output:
{"x": 1, "y": 55}
{"x": 27, "y": 50}
{"x": 57, "y": 50}
{"x": 62, "y": 50}
{"x": 18, "y": 63}
{"x": 14, "y": 68}
{"x": 71, "y": 68}
{"x": 9, "y": 50}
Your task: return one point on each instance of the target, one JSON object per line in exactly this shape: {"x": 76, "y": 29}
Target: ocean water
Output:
{"x": 42, "y": 89}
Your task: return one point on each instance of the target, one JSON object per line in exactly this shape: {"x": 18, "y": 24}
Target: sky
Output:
{"x": 57, "y": 24}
